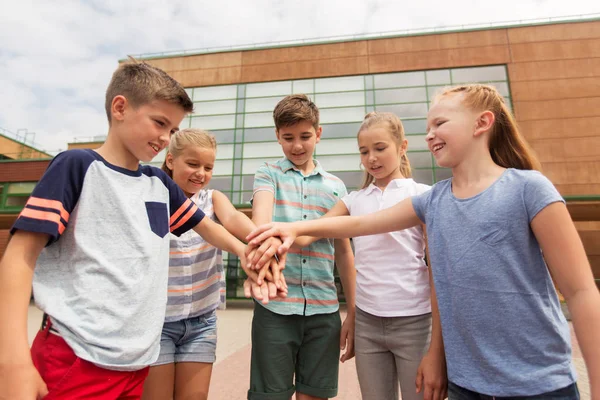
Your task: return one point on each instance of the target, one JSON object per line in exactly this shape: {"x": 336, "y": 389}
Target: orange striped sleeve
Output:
{"x": 185, "y": 218}
{"x": 44, "y": 216}
{"x": 53, "y": 204}
{"x": 181, "y": 210}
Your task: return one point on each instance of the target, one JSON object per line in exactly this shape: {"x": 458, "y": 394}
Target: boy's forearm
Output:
{"x": 219, "y": 237}
{"x": 344, "y": 259}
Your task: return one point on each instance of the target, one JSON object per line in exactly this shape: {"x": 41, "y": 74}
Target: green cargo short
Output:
{"x": 284, "y": 345}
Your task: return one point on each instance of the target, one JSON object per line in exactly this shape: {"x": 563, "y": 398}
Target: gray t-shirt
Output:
{"x": 503, "y": 329}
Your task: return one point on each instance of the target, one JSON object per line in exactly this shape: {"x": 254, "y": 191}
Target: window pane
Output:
{"x": 502, "y": 88}
{"x": 259, "y": 119}
{"x": 262, "y": 104}
{"x": 16, "y": 201}
{"x": 270, "y": 149}
{"x": 214, "y": 107}
{"x": 337, "y": 146}
{"x": 352, "y": 180}
{"x": 250, "y": 166}
{"x": 479, "y": 74}
{"x": 224, "y": 151}
{"x": 340, "y": 130}
{"x": 433, "y": 91}
{"x": 248, "y": 182}
{"x": 442, "y": 173}
{"x": 223, "y": 167}
{"x": 220, "y": 183}
{"x": 340, "y": 99}
{"x": 259, "y": 134}
{"x": 417, "y": 142}
{"x": 214, "y": 122}
{"x": 412, "y": 126}
{"x": 340, "y": 163}
{"x": 420, "y": 159}
{"x": 223, "y": 136}
{"x": 423, "y": 176}
{"x": 400, "y": 95}
{"x": 339, "y": 84}
{"x": 417, "y": 110}
{"x": 400, "y": 80}
{"x": 21, "y": 188}
{"x": 305, "y": 86}
{"x": 215, "y": 93}
{"x": 268, "y": 89}
{"x": 440, "y": 77}
{"x": 342, "y": 114}
{"x": 246, "y": 197}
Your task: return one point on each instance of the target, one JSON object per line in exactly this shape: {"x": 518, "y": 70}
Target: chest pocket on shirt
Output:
{"x": 158, "y": 217}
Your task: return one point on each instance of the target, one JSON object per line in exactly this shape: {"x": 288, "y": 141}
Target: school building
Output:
{"x": 549, "y": 73}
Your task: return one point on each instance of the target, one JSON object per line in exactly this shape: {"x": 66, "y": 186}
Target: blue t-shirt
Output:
{"x": 503, "y": 329}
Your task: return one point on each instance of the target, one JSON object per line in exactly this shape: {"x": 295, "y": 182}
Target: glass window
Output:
{"x": 412, "y": 126}
{"x": 16, "y": 201}
{"x": 224, "y": 151}
{"x": 214, "y": 107}
{"x": 337, "y": 146}
{"x": 222, "y": 183}
{"x": 21, "y": 188}
{"x": 502, "y": 87}
{"x": 262, "y": 104}
{"x": 257, "y": 150}
{"x": 439, "y": 77}
{"x": 340, "y": 163}
{"x": 251, "y": 165}
{"x": 259, "y": 134}
{"x": 223, "y": 167}
{"x": 423, "y": 176}
{"x": 259, "y": 119}
{"x": 214, "y": 122}
{"x": 417, "y": 142}
{"x": 340, "y": 130}
{"x": 420, "y": 159}
{"x": 331, "y": 115}
{"x": 442, "y": 173}
{"x": 416, "y": 110}
{"x": 342, "y": 84}
{"x": 223, "y": 136}
{"x": 479, "y": 74}
{"x": 352, "y": 179}
{"x": 305, "y": 86}
{"x": 390, "y": 96}
{"x": 433, "y": 91}
{"x": 246, "y": 197}
{"x": 215, "y": 93}
{"x": 402, "y": 79}
{"x": 268, "y": 89}
{"x": 248, "y": 182}
{"x": 340, "y": 99}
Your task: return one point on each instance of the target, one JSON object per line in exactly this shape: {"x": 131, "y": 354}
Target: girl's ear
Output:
{"x": 169, "y": 161}
{"x": 484, "y": 123}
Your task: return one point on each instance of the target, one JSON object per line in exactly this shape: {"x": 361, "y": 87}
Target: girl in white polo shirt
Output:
{"x": 393, "y": 292}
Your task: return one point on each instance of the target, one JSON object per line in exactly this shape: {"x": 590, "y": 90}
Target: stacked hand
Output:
{"x": 265, "y": 271}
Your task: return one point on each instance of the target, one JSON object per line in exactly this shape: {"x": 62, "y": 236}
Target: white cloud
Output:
{"x": 56, "y": 57}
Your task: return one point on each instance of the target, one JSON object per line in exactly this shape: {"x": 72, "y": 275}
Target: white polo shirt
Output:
{"x": 391, "y": 275}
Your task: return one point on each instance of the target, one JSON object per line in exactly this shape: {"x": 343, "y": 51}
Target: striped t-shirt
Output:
{"x": 309, "y": 272}
{"x": 196, "y": 276}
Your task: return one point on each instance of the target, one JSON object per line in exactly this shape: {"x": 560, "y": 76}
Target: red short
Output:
{"x": 70, "y": 377}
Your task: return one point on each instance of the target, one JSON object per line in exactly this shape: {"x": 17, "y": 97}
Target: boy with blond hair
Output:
{"x": 93, "y": 239}
{"x": 300, "y": 335}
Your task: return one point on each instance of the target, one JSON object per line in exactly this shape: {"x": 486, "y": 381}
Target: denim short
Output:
{"x": 189, "y": 340}
{"x": 570, "y": 392}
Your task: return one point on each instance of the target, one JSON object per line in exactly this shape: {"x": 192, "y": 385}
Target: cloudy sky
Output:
{"x": 57, "y": 56}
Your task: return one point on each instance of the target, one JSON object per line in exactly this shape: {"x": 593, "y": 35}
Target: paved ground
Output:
{"x": 231, "y": 372}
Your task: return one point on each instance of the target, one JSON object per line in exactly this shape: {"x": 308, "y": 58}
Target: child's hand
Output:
{"x": 263, "y": 292}
{"x": 21, "y": 382}
{"x": 347, "y": 337}
{"x": 432, "y": 377}
{"x": 284, "y": 230}
{"x": 260, "y": 256}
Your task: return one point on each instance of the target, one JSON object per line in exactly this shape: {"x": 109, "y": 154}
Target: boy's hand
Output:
{"x": 259, "y": 256}
{"x": 347, "y": 337}
{"x": 284, "y": 230}
{"x": 21, "y": 381}
{"x": 432, "y": 376}
{"x": 263, "y": 292}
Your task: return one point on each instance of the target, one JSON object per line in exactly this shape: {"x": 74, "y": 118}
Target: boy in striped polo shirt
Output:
{"x": 301, "y": 335}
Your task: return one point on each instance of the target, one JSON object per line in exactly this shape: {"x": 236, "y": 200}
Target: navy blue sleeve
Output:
{"x": 184, "y": 213}
{"x": 55, "y": 195}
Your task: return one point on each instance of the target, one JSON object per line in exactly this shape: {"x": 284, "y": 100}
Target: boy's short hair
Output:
{"x": 293, "y": 109}
{"x": 142, "y": 83}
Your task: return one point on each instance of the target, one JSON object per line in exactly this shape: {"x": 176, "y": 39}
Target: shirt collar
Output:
{"x": 287, "y": 165}
{"x": 394, "y": 184}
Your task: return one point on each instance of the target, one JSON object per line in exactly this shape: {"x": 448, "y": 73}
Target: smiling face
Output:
{"x": 380, "y": 154}
{"x": 450, "y": 128}
{"x": 192, "y": 169}
{"x": 298, "y": 143}
{"x": 145, "y": 130}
